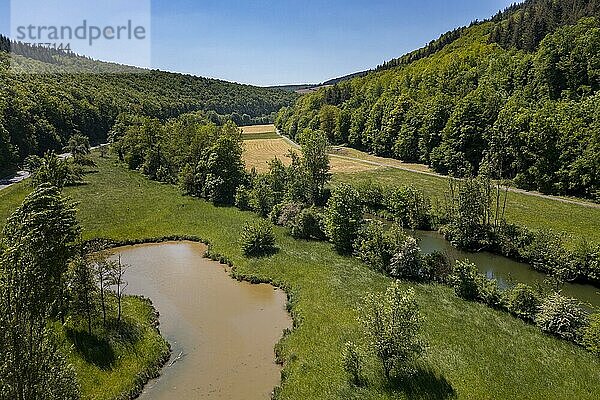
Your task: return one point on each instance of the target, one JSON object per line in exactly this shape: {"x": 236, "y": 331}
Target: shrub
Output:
{"x": 510, "y": 240}
{"x": 591, "y": 335}
{"x": 562, "y": 316}
{"x": 371, "y": 195}
{"x": 343, "y": 217}
{"x": 50, "y": 169}
{"x": 372, "y": 247}
{"x": 546, "y": 252}
{"x": 288, "y": 212}
{"x": 276, "y": 213}
{"x": 406, "y": 262}
{"x": 523, "y": 302}
{"x": 258, "y": 239}
{"x": 436, "y": 267}
{"x": 464, "y": 280}
{"x": 309, "y": 225}
{"x": 593, "y": 268}
{"x": 393, "y": 323}
{"x": 242, "y": 198}
{"x": 352, "y": 362}
{"x": 488, "y": 292}
{"x": 188, "y": 182}
{"x": 585, "y": 261}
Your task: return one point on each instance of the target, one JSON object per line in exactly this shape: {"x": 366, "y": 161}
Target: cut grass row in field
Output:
{"x": 255, "y": 136}
{"x": 258, "y": 129}
{"x": 474, "y": 352}
{"x": 534, "y": 212}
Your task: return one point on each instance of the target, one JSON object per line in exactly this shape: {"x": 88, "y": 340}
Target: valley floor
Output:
{"x": 474, "y": 352}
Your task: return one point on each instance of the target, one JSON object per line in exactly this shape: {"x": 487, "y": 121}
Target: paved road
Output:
{"x": 581, "y": 203}
{"x": 11, "y": 180}
{"x": 22, "y": 175}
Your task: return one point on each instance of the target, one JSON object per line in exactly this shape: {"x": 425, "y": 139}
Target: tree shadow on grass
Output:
{"x": 125, "y": 332}
{"x": 423, "y": 384}
{"x": 92, "y": 349}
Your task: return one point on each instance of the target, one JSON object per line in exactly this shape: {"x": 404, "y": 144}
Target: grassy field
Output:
{"x": 340, "y": 151}
{"x": 474, "y": 352}
{"x": 534, "y": 212}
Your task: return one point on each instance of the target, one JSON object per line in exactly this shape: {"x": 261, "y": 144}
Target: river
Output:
{"x": 506, "y": 271}
{"x": 222, "y": 332}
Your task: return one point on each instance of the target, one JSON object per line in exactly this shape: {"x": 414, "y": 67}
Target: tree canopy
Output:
{"x": 528, "y": 114}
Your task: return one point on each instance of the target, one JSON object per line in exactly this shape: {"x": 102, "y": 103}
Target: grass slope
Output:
{"x": 475, "y": 352}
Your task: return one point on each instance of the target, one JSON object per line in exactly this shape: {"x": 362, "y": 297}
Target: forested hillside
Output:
{"x": 491, "y": 96}
{"x": 41, "y": 111}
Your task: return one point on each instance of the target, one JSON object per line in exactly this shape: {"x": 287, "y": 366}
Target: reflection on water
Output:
{"x": 222, "y": 331}
{"x": 505, "y": 270}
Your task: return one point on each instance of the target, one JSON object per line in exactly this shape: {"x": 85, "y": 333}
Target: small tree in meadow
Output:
{"x": 79, "y": 148}
{"x": 343, "y": 217}
{"x": 83, "y": 290}
{"x": 52, "y": 170}
{"x": 116, "y": 279}
{"x": 393, "y": 323}
{"x": 315, "y": 162}
{"x": 261, "y": 199}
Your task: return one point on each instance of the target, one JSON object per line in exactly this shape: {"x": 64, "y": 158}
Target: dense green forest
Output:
{"x": 482, "y": 100}
{"x": 41, "y": 111}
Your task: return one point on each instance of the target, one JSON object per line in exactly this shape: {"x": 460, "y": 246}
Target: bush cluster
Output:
{"x": 390, "y": 251}
{"x": 523, "y": 302}
{"x": 563, "y": 317}
{"x": 548, "y": 252}
{"x": 405, "y": 205}
{"x": 556, "y": 314}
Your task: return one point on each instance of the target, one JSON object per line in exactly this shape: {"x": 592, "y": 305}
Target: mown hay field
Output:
{"x": 258, "y": 152}
{"x": 256, "y": 129}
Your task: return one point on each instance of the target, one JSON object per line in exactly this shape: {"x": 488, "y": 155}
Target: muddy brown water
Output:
{"x": 222, "y": 332}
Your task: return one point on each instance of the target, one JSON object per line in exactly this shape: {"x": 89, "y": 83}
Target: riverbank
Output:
{"x": 475, "y": 352}
{"x": 115, "y": 363}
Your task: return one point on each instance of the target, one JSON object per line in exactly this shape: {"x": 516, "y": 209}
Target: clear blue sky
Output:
{"x": 283, "y": 42}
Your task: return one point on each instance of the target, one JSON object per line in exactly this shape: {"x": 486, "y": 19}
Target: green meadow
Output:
{"x": 474, "y": 352}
